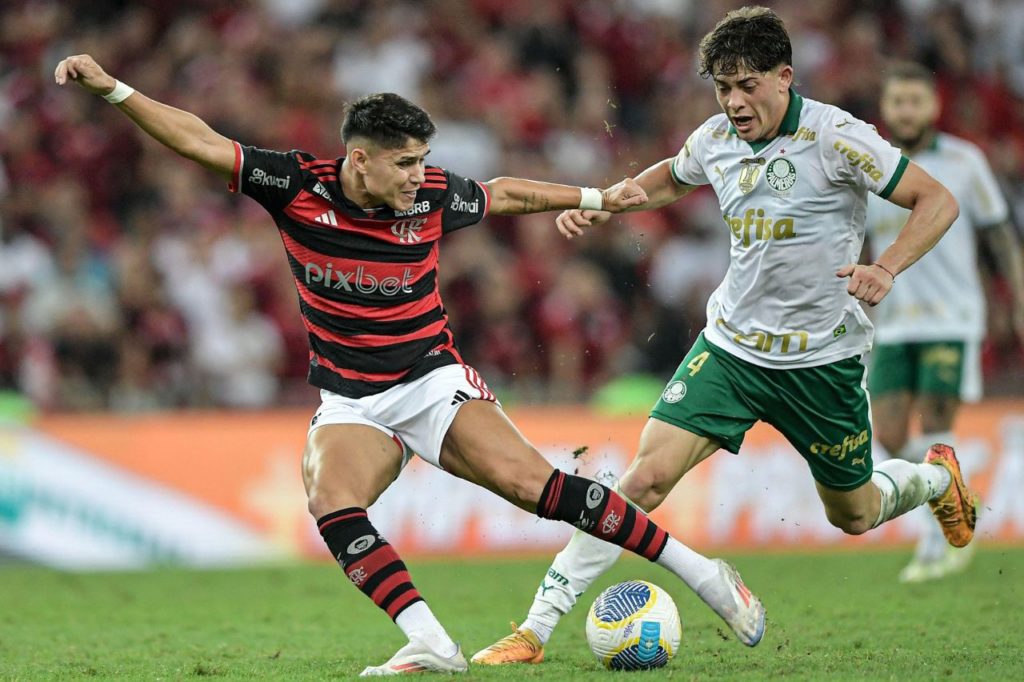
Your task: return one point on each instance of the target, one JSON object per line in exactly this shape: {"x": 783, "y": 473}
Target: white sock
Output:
{"x": 574, "y": 569}
{"x": 904, "y": 485}
{"x": 421, "y": 626}
{"x": 692, "y": 568}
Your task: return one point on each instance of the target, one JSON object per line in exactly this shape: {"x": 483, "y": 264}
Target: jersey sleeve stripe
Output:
{"x": 901, "y": 168}
{"x": 672, "y": 172}
{"x": 318, "y": 164}
{"x": 235, "y": 184}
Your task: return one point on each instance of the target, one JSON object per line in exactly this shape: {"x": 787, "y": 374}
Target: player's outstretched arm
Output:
{"x": 932, "y": 210}
{"x": 183, "y": 132}
{"x": 516, "y": 196}
{"x": 656, "y": 182}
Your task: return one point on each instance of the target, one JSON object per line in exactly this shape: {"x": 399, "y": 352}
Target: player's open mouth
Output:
{"x": 410, "y": 195}
{"x": 743, "y": 123}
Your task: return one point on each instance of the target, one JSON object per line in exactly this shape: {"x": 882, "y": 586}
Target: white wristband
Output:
{"x": 119, "y": 93}
{"x": 591, "y": 198}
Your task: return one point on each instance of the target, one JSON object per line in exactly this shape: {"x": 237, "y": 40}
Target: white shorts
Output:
{"x": 416, "y": 415}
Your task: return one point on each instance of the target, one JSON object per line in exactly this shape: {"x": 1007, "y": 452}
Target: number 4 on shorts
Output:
{"x": 697, "y": 362}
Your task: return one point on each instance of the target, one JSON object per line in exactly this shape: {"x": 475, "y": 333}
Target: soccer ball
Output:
{"x": 633, "y": 626}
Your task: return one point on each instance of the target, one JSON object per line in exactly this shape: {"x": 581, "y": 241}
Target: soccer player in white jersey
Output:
{"x": 785, "y": 329}
{"x": 925, "y": 358}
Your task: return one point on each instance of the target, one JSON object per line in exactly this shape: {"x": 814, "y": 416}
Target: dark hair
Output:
{"x": 386, "y": 119}
{"x": 908, "y": 71}
{"x": 751, "y": 37}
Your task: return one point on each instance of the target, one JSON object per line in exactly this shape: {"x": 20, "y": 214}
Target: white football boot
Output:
{"x": 729, "y": 598}
{"x": 417, "y": 658}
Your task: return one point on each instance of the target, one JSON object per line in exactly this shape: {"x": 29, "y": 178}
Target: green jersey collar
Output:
{"x": 790, "y": 122}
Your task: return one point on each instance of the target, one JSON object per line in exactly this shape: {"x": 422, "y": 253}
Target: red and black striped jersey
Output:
{"x": 367, "y": 279}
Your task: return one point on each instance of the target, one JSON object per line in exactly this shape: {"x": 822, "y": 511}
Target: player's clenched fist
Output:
{"x": 868, "y": 283}
{"x": 623, "y": 195}
{"x": 618, "y": 198}
{"x": 83, "y": 69}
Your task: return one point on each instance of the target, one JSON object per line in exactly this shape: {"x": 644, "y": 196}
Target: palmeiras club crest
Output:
{"x": 781, "y": 176}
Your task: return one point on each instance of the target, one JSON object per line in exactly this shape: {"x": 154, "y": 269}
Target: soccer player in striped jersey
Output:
{"x": 785, "y": 329}
{"x": 361, "y": 235}
{"x": 926, "y": 357}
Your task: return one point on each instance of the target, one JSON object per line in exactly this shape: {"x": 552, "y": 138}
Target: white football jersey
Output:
{"x": 795, "y": 207}
{"x": 940, "y": 297}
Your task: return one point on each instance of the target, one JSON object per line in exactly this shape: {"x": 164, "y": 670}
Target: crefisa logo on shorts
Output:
{"x": 674, "y": 392}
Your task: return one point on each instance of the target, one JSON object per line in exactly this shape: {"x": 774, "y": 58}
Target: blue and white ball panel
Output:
{"x": 623, "y": 602}
{"x": 644, "y": 652}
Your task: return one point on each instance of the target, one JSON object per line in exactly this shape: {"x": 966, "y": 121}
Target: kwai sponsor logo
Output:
{"x": 462, "y": 206}
{"x": 261, "y": 177}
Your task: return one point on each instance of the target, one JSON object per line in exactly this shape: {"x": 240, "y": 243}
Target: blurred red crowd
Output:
{"x": 131, "y": 279}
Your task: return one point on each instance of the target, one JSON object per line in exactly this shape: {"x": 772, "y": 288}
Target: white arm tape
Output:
{"x": 590, "y": 198}
{"x": 119, "y": 93}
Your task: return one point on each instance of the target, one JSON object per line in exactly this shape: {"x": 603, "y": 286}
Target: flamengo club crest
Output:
{"x": 781, "y": 176}
{"x": 408, "y": 230}
{"x": 749, "y": 173}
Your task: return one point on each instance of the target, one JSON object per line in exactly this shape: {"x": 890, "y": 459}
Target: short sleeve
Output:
{"x": 465, "y": 202}
{"x": 687, "y": 168}
{"x": 271, "y": 178}
{"x": 855, "y": 154}
{"x": 984, "y": 202}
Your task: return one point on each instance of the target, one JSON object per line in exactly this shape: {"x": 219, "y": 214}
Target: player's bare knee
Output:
{"x": 644, "y": 487}
{"x": 319, "y": 505}
{"x": 849, "y": 523}
{"x": 522, "y": 488}
{"x": 324, "y": 499}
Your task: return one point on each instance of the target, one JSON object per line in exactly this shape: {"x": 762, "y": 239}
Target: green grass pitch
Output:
{"x": 837, "y": 615}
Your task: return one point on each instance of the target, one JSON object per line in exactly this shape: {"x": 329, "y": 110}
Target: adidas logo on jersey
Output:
{"x": 460, "y": 397}
{"x": 326, "y": 218}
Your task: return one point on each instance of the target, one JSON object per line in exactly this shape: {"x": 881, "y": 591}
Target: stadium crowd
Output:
{"x": 132, "y": 280}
